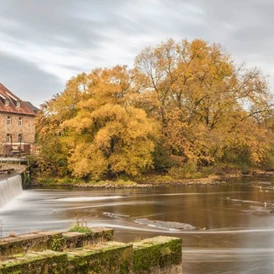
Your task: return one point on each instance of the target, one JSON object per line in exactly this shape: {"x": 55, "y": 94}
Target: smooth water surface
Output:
{"x": 225, "y": 228}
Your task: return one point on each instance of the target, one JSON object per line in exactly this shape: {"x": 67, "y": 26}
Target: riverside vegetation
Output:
{"x": 185, "y": 110}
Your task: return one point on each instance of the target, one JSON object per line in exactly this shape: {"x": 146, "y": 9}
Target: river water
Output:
{"x": 226, "y": 228}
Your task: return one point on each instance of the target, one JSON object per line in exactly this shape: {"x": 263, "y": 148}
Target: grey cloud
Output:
{"x": 107, "y": 32}
{"x": 26, "y": 80}
{"x": 49, "y": 23}
{"x": 84, "y": 24}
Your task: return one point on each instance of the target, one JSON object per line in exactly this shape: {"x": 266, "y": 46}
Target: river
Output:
{"x": 226, "y": 228}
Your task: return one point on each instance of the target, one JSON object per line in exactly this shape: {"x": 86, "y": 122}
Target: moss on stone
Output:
{"x": 156, "y": 252}
{"x": 107, "y": 258}
{"x": 156, "y": 255}
{"x": 35, "y": 263}
{"x": 27, "y": 242}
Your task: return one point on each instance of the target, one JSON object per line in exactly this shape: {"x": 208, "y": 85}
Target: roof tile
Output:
{"x": 12, "y": 99}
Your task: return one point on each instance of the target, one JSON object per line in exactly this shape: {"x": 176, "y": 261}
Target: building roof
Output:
{"x": 10, "y": 103}
{"x": 31, "y": 106}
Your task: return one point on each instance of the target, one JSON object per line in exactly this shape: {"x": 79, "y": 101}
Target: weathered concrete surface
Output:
{"x": 24, "y": 243}
{"x": 17, "y": 169}
{"x": 85, "y": 253}
{"x": 52, "y": 240}
{"x": 159, "y": 255}
{"x": 35, "y": 263}
{"x": 107, "y": 258}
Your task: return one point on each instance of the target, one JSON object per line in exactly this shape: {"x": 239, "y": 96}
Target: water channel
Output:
{"x": 226, "y": 228}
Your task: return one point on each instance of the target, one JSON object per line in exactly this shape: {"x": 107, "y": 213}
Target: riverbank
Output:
{"x": 148, "y": 181}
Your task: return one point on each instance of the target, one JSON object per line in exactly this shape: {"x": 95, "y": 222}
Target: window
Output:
{"x": 9, "y": 138}
{"x": 9, "y": 120}
{"x": 20, "y": 138}
{"x": 18, "y": 104}
{"x": 7, "y": 102}
{"x": 20, "y": 121}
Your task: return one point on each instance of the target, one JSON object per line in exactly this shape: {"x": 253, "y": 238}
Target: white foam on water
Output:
{"x": 9, "y": 189}
{"x": 192, "y": 193}
{"x": 232, "y": 231}
{"x": 126, "y": 227}
{"x": 233, "y": 251}
{"x": 88, "y": 199}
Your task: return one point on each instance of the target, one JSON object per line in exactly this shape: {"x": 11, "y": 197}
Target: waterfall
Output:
{"x": 10, "y": 188}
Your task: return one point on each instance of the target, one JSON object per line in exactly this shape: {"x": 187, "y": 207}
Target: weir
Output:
{"x": 10, "y": 188}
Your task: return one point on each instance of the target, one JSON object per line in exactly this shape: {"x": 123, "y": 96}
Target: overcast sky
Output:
{"x": 45, "y": 42}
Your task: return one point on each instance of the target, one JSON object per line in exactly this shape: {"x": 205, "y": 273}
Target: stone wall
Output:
{"x": 161, "y": 255}
{"x": 77, "y": 252}
{"x": 27, "y": 129}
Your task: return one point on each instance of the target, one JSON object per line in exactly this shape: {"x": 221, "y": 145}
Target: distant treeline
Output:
{"x": 186, "y": 108}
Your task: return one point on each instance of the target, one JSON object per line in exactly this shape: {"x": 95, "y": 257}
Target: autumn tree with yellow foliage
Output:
{"x": 184, "y": 103}
{"x": 212, "y": 111}
{"x": 102, "y": 134}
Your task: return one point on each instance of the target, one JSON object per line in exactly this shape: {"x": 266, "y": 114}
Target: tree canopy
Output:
{"x": 183, "y": 103}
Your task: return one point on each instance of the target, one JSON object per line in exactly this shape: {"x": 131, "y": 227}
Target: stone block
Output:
{"x": 107, "y": 258}
{"x": 158, "y": 255}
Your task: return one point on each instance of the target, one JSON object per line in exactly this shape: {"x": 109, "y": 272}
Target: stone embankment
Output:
{"x": 91, "y": 252}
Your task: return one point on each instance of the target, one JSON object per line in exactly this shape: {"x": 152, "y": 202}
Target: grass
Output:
{"x": 81, "y": 226}
{"x": 82, "y": 229}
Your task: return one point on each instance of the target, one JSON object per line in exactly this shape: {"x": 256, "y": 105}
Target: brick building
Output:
{"x": 17, "y": 128}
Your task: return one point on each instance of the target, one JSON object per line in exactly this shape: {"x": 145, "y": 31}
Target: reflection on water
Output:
{"x": 234, "y": 222}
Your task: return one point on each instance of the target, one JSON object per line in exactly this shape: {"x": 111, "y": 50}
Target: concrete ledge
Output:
{"x": 161, "y": 255}
{"x": 107, "y": 258}
{"x": 85, "y": 253}
{"x": 26, "y": 242}
{"x": 35, "y": 263}
{"x": 52, "y": 240}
